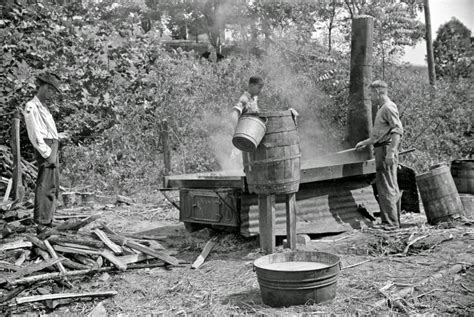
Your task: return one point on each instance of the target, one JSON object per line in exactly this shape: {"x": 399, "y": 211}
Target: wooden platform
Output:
{"x": 311, "y": 171}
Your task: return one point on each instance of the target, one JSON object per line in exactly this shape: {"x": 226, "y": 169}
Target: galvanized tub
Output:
{"x": 248, "y": 133}
{"x": 297, "y": 286}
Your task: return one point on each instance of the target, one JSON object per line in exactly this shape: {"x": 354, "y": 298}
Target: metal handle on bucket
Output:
{"x": 265, "y": 119}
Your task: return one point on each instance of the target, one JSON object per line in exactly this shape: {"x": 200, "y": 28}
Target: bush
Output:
{"x": 437, "y": 122}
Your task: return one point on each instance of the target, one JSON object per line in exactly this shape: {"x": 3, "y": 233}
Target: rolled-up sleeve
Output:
{"x": 392, "y": 117}
{"x": 240, "y": 106}
{"x": 31, "y": 115}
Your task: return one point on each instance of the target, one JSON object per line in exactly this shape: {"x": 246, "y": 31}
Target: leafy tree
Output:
{"x": 452, "y": 50}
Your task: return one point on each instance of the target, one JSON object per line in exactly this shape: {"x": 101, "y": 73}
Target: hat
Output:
{"x": 51, "y": 79}
{"x": 378, "y": 84}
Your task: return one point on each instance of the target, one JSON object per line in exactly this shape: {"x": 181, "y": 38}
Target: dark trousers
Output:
{"x": 387, "y": 188}
{"x": 47, "y": 186}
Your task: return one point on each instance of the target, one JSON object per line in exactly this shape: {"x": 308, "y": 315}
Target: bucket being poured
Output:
{"x": 248, "y": 133}
{"x": 297, "y": 278}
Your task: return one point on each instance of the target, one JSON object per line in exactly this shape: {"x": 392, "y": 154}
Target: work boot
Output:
{"x": 41, "y": 228}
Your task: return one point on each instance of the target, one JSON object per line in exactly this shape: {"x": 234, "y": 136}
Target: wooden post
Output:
{"x": 291, "y": 220}
{"x": 429, "y": 44}
{"x": 15, "y": 145}
{"x": 359, "y": 120}
{"x": 266, "y": 207}
{"x": 166, "y": 150}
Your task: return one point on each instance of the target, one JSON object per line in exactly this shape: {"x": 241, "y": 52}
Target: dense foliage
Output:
{"x": 452, "y": 50}
{"x": 120, "y": 82}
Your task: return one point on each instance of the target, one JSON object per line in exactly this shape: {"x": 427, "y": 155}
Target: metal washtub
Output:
{"x": 300, "y": 287}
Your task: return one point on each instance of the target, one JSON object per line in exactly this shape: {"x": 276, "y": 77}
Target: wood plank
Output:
{"x": 53, "y": 254}
{"x": 15, "y": 245}
{"x": 7, "y": 192}
{"x": 76, "y": 225}
{"x": 139, "y": 257}
{"x": 114, "y": 260}
{"x": 205, "y": 252}
{"x": 59, "y": 275}
{"x": 37, "y": 242}
{"x": 166, "y": 148}
{"x": 35, "y": 267}
{"x": 139, "y": 247}
{"x": 79, "y": 241}
{"x": 22, "y": 258}
{"x": 104, "y": 253}
{"x": 18, "y": 191}
{"x": 9, "y": 266}
{"x": 291, "y": 220}
{"x": 266, "y": 205}
{"x": 73, "y": 265}
{"x": 38, "y": 298}
{"x": 135, "y": 258}
{"x": 111, "y": 245}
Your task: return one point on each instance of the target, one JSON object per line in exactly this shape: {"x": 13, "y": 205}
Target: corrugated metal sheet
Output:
{"x": 323, "y": 207}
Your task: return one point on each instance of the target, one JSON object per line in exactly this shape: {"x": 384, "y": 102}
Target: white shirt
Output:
{"x": 40, "y": 125}
{"x": 247, "y": 104}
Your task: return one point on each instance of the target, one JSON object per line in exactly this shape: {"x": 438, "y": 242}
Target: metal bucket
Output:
{"x": 297, "y": 287}
{"x": 248, "y": 133}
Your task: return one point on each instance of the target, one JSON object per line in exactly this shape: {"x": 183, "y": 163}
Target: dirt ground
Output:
{"x": 375, "y": 266}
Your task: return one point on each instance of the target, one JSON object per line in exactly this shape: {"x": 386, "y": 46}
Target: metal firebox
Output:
{"x": 216, "y": 207}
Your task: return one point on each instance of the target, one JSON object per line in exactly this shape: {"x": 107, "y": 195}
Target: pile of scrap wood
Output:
{"x": 29, "y": 171}
{"x": 57, "y": 255}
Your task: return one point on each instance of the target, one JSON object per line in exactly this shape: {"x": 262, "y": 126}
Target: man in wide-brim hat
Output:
{"x": 44, "y": 136}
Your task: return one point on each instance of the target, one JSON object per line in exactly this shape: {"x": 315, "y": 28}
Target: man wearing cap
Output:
{"x": 385, "y": 138}
{"x": 44, "y": 136}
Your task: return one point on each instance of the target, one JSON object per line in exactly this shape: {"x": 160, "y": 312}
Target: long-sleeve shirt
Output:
{"x": 387, "y": 121}
{"x": 40, "y": 125}
{"x": 247, "y": 104}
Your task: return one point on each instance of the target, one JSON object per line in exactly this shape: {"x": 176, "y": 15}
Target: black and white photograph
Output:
{"x": 236, "y": 158}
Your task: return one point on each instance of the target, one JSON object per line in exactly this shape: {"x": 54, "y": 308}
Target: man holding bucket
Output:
{"x": 385, "y": 138}
{"x": 248, "y": 101}
{"x": 247, "y": 105}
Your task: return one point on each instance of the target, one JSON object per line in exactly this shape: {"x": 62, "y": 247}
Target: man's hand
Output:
{"x": 51, "y": 159}
{"x": 361, "y": 145}
{"x": 64, "y": 136}
{"x": 390, "y": 159}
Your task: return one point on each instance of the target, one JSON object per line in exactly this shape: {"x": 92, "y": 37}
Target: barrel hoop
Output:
{"x": 286, "y": 113}
{"x": 285, "y": 129}
{"x": 275, "y": 144}
{"x": 438, "y": 198}
{"x": 275, "y": 160}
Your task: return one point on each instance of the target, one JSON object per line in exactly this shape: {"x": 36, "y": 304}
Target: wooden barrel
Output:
{"x": 274, "y": 167}
{"x": 439, "y": 195}
{"x": 463, "y": 175}
{"x": 468, "y": 204}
